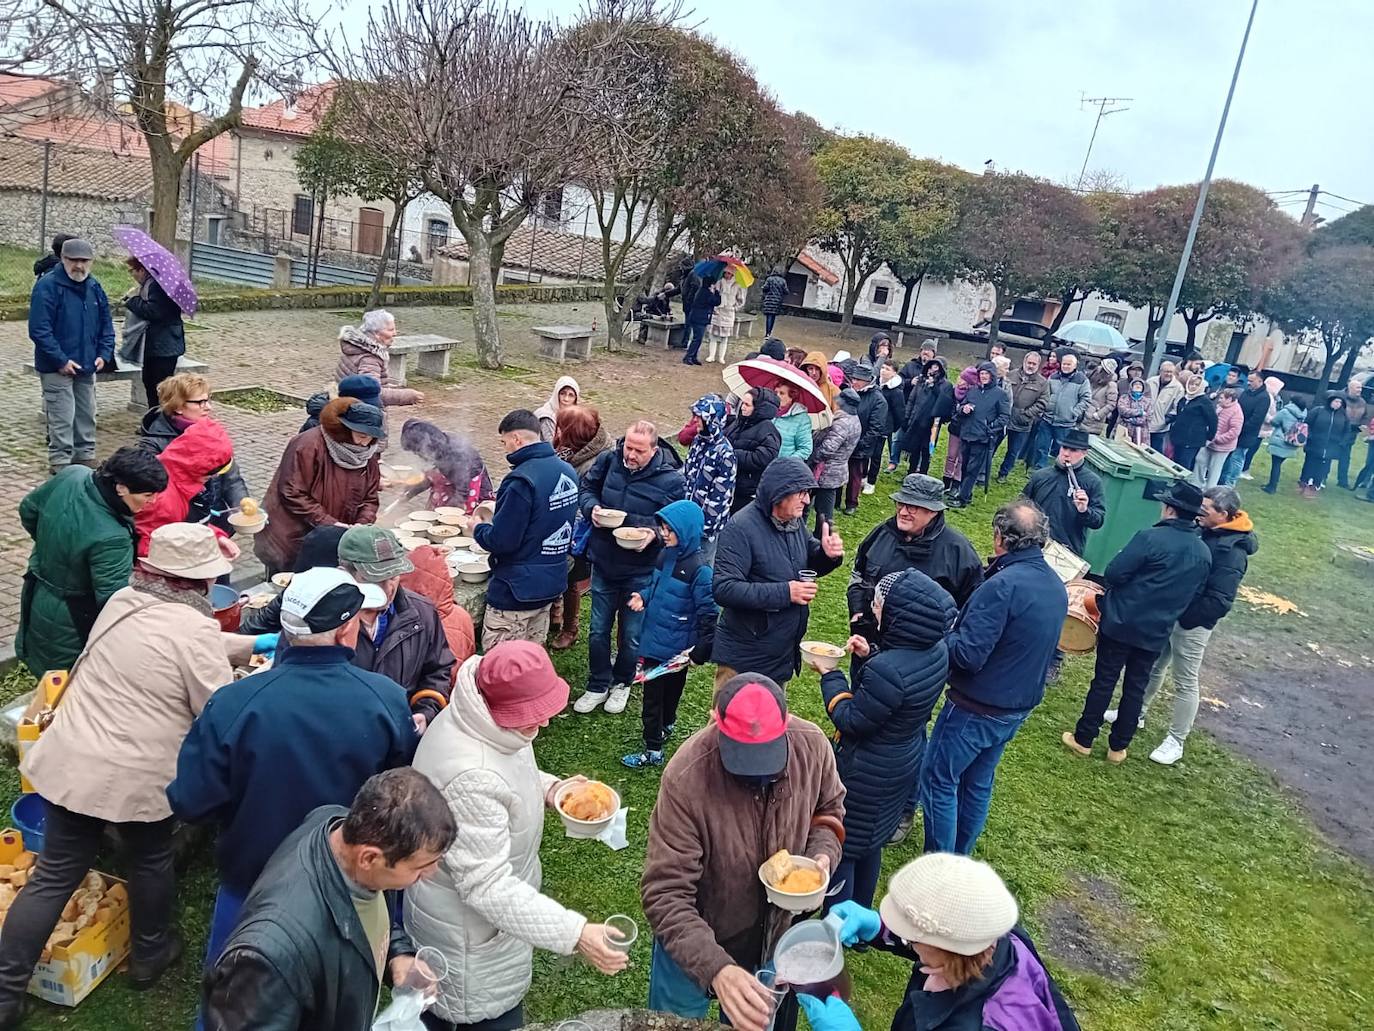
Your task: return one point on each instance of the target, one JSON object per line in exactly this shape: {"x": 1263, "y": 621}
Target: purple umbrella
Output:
{"x": 161, "y": 264}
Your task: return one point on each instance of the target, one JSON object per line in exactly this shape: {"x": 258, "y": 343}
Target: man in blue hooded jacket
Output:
{"x": 529, "y": 535}
{"x": 73, "y": 339}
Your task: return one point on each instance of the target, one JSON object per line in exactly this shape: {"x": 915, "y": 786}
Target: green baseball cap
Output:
{"x": 375, "y": 553}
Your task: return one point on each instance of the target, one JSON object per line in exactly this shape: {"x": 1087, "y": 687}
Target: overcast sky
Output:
{"x": 968, "y": 80}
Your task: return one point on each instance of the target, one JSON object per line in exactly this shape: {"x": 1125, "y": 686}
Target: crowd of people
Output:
{"x": 376, "y": 789}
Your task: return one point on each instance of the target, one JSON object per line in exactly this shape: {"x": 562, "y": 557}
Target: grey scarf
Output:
{"x": 349, "y": 456}
{"x": 165, "y": 590}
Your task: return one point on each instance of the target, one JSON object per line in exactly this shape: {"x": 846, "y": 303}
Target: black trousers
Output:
{"x": 976, "y": 455}
{"x": 508, "y": 1021}
{"x": 70, "y": 843}
{"x": 917, "y": 444}
{"x": 1185, "y": 456}
{"x": 155, "y": 370}
{"x": 823, "y": 499}
{"x": 1112, "y": 657}
{"x": 661, "y": 697}
{"x": 1275, "y": 470}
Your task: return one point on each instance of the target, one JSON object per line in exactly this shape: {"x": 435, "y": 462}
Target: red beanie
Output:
{"x": 520, "y": 685}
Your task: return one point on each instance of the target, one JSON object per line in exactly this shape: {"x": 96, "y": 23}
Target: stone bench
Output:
{"x": 559, "y": 343}
{"x": 668, "y": 332}
{"x": 431, "y": 356}
{"x": 902, "y": 331}
{"x": 744, "y": 324}
{"x": 138, "y": 397}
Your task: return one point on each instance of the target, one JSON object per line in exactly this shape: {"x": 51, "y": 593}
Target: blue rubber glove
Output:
{"x": 833, "y": 1014}
{"x": 265, "y": 644}
{"x": 859, "y": 924}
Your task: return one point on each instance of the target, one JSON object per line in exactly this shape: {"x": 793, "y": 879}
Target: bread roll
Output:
{"x": 24, "y": 861}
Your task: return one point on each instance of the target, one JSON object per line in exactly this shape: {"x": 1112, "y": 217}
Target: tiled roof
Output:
{"x": 814, "y": 265}
{"x": 15, "y": 89}
{"x": 298, "y": 118}
{"x": 566, "y": 255}
{"x": 73, "y": 172}
{"x": 111, "y": 134}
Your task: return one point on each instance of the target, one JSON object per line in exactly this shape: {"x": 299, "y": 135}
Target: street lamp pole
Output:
{"x": 1162, "y": 335}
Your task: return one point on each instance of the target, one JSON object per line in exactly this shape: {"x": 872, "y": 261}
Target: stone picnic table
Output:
{"x": 669, "y": 332}
{"x": 431, "y": 356}
{"x": 138, "y": 397}
{"x": 559, "y": 343}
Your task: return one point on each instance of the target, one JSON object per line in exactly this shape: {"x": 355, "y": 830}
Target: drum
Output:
{"x": 1080, "y": 625}
{"x": 1064, "y": 562}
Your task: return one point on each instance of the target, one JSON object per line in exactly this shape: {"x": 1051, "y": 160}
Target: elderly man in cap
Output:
{"x": 1150, "y": 584}
{"x": 765, "y": 573}
{"x": 999, "y": 652}
{"x": 268, "y": 749}
{"x": 404, "y": 639}
{"x": 1069, "y": 493}
{"x": 154, "y": 658}
{"x": 753, "y": 782}
{"x": 73, "y": 339}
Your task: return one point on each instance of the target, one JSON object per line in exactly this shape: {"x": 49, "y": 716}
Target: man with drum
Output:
{"x": 999, "y": 652}
{"x": 1150, "y": 584}
{"x": 1069, "y": 493}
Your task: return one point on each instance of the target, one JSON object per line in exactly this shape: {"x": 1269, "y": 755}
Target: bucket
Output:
{"x": 228, "y": 607}
{"x": 30, "y": 816}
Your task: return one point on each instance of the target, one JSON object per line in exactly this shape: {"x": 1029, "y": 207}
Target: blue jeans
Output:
{"x": 1053, "y": 435}
{"x": 1235, "y": 465}
{"x": 768, "y": 319}
{"x": 694, "y": 342}
{"x": 672, "y": 991}
{"x": 228, "y": 905}
{"x": 957, "y": 774}
{"x": 860, "y": 876}
{"x": 1039, "y": 445}
{"x": 610, "y": 604}
{"x": 1016, "y": 446}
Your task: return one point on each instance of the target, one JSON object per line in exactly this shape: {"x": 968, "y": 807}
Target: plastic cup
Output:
{"x": 620, "y": 933}
{"x": 807, "y": 576}
{"x": 430, "y": 967}
{"x": 777, "y": 991}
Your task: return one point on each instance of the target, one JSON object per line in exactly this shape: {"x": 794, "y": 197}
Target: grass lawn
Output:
{"x": 16, "y": 272}
{"x": 1218, "y": 904}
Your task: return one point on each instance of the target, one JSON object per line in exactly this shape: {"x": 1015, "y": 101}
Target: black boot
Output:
{"x": 143, "y": 974}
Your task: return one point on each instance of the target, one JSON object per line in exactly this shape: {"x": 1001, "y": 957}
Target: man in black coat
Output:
{"x": 1069, "y": 493}
{"x": 1254, "y": 408}
{"x": 873, "y": 430}
{"x": 1150, "y": 584}
{"x": 890, "y": 383}
{"x": 1230, "y": 537}
{"x": 929, "y": 404}
{"x": 760, "y": 557}
{"x": 315, "y": 938}
{"x": 640, "y": 475}
{"x": 983, "y": 418}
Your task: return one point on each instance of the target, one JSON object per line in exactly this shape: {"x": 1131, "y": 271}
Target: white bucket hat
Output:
{"x": 187, "y": 550}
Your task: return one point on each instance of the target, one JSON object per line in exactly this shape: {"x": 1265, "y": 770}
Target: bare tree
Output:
{"x": 496, "y": 108}
{"x": 165, "y": 63}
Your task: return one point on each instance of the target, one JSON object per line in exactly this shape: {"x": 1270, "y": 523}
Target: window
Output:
{"x": 1115, "y": 319}
{"x": 880, "y": 295}
{"x": 302, "y": 214}
{"x": 436, "y": 235}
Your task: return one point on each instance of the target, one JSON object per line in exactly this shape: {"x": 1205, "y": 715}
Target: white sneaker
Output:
{"x": 620, "y": 694}
{"x": 1170, "y": 751}
{"x": 1246, "y": 476}
{"x": 869, "y": 488}
{"x": 590, "y": 702}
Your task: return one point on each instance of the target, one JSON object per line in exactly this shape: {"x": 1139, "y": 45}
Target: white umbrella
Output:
{"x": 1094, "y": 334}
{"x": 767, "y": 372}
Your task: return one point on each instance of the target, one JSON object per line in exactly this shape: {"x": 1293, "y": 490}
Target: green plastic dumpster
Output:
{"x": 1133, "y": 480}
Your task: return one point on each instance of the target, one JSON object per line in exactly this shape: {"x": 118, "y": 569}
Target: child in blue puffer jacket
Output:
{"x": 679, "y": 615}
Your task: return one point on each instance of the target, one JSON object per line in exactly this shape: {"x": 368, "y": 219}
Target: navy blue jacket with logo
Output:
{"x": 530, "y": 532}
{"x": 639, "y": 493}
{"x": 679, "y": 611}
{"x": 70, "y": 321}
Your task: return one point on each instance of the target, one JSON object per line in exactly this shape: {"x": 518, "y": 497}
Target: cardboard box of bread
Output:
{"x": 91, "y": 938}
{"x": 39, "y": 714}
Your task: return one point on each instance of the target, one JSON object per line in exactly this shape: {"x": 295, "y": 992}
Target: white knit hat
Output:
{"x": 950, "y": 901}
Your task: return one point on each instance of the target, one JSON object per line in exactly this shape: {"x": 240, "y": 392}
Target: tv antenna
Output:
{"x": 1105, "y": 106}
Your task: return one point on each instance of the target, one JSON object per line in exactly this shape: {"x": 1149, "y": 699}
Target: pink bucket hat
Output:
{"x": 520, "y": 685}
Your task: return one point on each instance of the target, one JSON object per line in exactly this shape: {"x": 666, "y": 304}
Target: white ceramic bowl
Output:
{"x": 633, "y": 538}
{"x": 248, "y": 524}
{"x": 412, "y": 528}
{"x": 441, "y": 534}
{"x": 609, "y": 518}
{"x": 450, "y": 510}
{"x": 807, "y": 903}
{"x": 585, "y": 828}
{"x": 281, "y": 581}
{"x": 423, "y": 516}
{"x": 474, "y": 571}
{"x": 820, "y": 653}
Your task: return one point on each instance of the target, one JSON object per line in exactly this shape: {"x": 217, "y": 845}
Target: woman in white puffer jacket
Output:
{"x": 483, "y": 908}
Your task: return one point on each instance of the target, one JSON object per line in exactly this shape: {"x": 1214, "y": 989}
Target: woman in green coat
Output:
{"x": 1281, "y": 448}
{"x": 793, "y": 423}
{"x": 82, "y": 525}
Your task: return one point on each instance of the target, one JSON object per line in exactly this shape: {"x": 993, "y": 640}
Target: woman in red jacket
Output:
{"x": 203, "y": 449}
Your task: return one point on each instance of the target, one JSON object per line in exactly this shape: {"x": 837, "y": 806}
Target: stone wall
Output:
{"x": 20, "y": 217}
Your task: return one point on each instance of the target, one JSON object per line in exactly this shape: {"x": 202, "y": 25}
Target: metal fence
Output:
{"x": 250, "y": 268}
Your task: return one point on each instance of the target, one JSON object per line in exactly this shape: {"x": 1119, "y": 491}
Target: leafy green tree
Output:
{"x": 866, "y": 188}
{"x": 1330, "y": 291}
{"x": 921, "y": 242}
